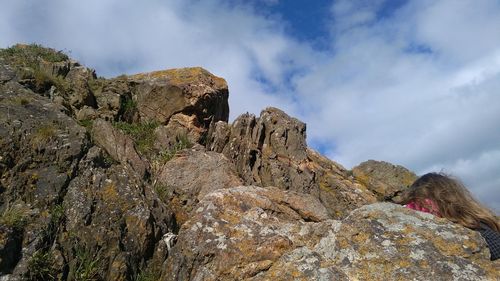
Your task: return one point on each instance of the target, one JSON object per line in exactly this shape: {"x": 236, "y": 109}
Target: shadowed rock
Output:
{"x": 192, "y": 91}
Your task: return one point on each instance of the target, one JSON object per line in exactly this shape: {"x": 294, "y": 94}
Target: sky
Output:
{"x": 411, "y": 82}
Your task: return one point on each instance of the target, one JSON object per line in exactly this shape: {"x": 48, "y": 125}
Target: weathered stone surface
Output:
{"x": 386, "y": 241}
{"x": 384, "y": 179}
{"x": 271, "y": 151}
{"x": 238, "y": 233}
{"x": 110, "y": 94}
{"x": 118, "y": 145}
{"x": 241, "y": 233}
{"x": 188, "y": 177}
{"x": 113, "y": 217}
{"x": 338, "y": 191}
{"x": 218, "y": 136}
{"x": 40, "y": 148}
{"x": 192, "y": 91}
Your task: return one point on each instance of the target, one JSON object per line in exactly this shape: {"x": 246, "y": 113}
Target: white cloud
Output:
{"x": 118, "y": 37}
{"x": 428, "y": 108}
{"x": 417, "y": 87}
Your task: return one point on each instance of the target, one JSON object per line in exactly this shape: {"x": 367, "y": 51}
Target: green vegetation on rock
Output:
{"x": 29, "y": 55}
{"x": 28, "y": 60}
{"x": 142, "y": 134}
{"x": 86, "y": 265}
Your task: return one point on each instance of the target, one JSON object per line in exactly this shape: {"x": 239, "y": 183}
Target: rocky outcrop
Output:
{"x": 141, "y": 178}
{"x": 384, "y": 179}
{"x": 271, "y": 151}
{"x": 111, "y": 217}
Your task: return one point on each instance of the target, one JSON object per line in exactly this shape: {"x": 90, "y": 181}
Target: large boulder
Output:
{"x": 239, "y": 233}
{"x": 252, "y": 233}
{"x": 385, "y": 241}
{"x": 384, "y": 179}
{"x": 189, "y": 176}
{"x": 193, "y": 91}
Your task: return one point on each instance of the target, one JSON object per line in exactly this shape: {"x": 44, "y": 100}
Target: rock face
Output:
{"x": 141, "y": 178}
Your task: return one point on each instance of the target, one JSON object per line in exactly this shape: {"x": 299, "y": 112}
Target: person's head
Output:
{"x": 453, "y": 200}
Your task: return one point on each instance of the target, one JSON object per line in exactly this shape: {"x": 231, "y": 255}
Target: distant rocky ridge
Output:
{"x": 141, "y": 177}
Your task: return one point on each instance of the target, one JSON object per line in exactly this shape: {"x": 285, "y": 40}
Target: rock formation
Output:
{"x": 141, "y": 177}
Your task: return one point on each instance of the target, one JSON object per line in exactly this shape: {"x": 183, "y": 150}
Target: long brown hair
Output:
{"x": 453, "y": 200}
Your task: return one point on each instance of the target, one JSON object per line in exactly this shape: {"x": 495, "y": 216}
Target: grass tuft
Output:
{"x": 87, "y": 262}
{"x": 43, "y": 135}
{"x": 41, "y": 266}
{"x": 14, "y": 216}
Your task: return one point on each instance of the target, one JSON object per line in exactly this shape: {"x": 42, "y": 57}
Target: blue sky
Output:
{"x": 413, "y": 82}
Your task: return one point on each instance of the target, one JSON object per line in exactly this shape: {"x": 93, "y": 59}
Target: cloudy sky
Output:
{"x": 411, "y": 82}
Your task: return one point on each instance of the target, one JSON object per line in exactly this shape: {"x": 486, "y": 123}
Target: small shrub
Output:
{"x": 57, "y": 213}
{"x": 43, "y": 81}
{"x": 167, "y": 154}
{"x": 41, "y": 267}
{"x": 162, "y": 191}
{"x": 128, "y": 105}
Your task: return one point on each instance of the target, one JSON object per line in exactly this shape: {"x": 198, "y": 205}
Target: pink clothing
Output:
{"x": 415, "y": 206}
